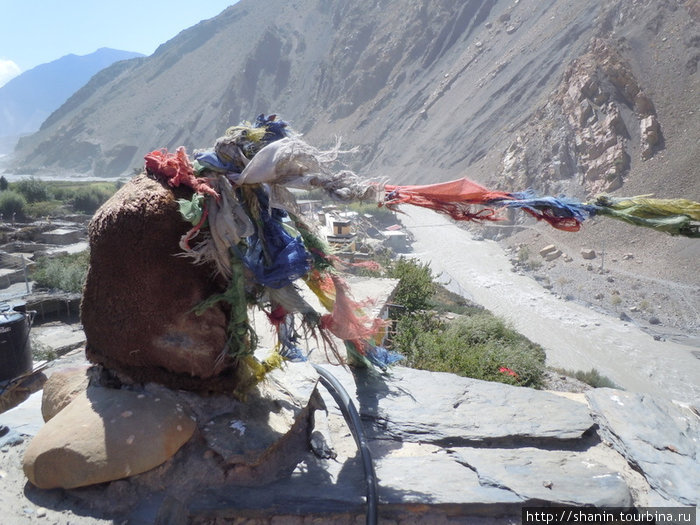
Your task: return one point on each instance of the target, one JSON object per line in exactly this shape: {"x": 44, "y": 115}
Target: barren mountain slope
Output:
{"x": 558, "y": 95}
{"x": 425, "y": 87}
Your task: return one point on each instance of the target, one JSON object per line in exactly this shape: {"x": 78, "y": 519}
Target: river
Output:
{"x": 574, "y": 336}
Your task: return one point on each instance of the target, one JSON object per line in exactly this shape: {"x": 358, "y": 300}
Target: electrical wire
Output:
{"x": 352, "y": 417}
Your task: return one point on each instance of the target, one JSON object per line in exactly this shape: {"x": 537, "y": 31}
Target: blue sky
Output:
{"x": 34, "y": 32}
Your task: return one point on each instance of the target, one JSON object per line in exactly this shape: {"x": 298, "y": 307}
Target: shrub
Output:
{"x": 523, "y": 254}
{"x": 3, "y": 183}
{"x": 44, "y": 209}
{"x": 592, "y": 377}
{"x": 480, "y": 346}
{"x": 12, "y": 202}
{"x": 34, "y": 190}
{"x": 88, "y": 199}
{"x": 534, "y": 264}
{"x": 381, "y": 214}
{"x": 65, "y": 272}
{"x": 416, "y": 287}
{"x": 408, "y": 329}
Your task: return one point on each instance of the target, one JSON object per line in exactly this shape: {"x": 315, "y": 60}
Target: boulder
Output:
{"x": 552, "y": 255}
{"x": 547, "y": 250}
{"x": 139, "y": 295}
{"x": 588, "y": 253}
{"x": 61, "y": 388}
{"x": 103, "y": 435}
{"x": 650, "y": 133}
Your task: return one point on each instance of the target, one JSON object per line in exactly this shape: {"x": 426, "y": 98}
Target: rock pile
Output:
{"x": 125, "y": 416}
{"x": 97, "y": 433}
{"x": 594, "y": 126}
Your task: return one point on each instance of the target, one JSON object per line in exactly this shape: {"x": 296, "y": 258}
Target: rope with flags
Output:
{"x": 457, "y": 199}
{"x": 246, "y": 223}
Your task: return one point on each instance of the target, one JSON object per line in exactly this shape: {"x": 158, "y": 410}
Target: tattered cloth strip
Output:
{"x": 239, "y": 217}
{"x": 176, "y": 169}
{"x": 561, "y": 212}
{"x": 452, "y": 198}
{"x": 456, "y": 198}
{"x": 674, "y": 216}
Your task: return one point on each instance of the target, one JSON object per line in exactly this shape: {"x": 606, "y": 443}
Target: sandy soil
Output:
{"x": 574, "y": 336}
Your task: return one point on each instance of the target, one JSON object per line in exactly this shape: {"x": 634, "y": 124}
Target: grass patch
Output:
{"x": 380, "y": 214}
{"x": 445, "y": 301}
{"x": 58, "y": 198}
{"x": 592, "y": 377}
{"x": 477, "y": 344}
{"x": 481, "y": 346}
{"x": 12, "y": 205}
{"x": 64, "y": 272}
{"x": 52, "y": 208}
{"x": 42, "y": 352}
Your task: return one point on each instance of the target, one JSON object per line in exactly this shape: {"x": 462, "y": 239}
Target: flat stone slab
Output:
{"x": 434, "y": 407}
{"x": 334, "y": 492}
{"x": 555, "y": 476}
{"x": 658, "y": 437}
{"x": 439, "y": 479}
{"x": 59, "y": 338}
{"x": 464, "y": 481}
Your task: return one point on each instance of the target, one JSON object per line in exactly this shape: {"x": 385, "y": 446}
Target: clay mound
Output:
{"x": 138, "y": 297}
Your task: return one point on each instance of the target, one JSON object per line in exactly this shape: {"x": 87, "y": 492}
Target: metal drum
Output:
{"x": 15, "y": 347}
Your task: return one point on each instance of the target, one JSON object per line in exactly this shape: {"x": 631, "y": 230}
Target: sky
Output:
{"x": 34, "y": 32}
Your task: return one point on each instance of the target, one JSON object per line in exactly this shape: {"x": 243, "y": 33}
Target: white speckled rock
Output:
{"x": 103, "y": 435}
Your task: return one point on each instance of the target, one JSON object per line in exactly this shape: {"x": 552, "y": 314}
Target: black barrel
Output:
{"x": 15, "y": 347}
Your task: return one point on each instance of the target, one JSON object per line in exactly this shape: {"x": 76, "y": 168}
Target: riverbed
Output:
{"x": 574, "y": 336}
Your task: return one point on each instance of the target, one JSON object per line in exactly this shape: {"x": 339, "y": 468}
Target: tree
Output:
{"x": 416, "y": 287}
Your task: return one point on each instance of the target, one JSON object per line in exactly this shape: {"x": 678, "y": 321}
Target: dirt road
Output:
{"x": 574, "y": 336}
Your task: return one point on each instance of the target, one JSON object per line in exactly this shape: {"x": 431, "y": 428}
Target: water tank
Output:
{"x": 15, "y": 347}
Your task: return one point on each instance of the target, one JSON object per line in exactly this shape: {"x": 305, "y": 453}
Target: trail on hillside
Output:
{"x": 574, "y": 337}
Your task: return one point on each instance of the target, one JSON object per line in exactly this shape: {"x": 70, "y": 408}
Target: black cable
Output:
{"x": 347, "y": 407}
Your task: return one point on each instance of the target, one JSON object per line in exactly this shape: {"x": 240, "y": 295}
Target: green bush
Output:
{"x": 65, "y": 272}
{"x": 592, "y": 377}
{"x": 45, "y": 209}
{"x": 34, "y": 190}
{"x": 12, "y": 202}
{"x": 380, "y": 214}
{"x": 410, "y": 326}
{"x": 449, "y": 302}
{"x": 480, "y": 346}
{"x": 90, "y": 198}
{"x": 416, "y": 287}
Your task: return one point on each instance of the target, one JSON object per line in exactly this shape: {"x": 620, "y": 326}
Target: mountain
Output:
{"x": 428, "y": 89}
{"x": 562, "y": 96}
{"x": 29, "y": 98}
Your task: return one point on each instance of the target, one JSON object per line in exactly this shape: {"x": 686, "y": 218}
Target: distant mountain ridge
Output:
{"x": 26, "y": 100}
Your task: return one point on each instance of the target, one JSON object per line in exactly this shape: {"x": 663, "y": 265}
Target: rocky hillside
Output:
{"x": 557, "y": 95}
{"x": 26, "y": 101}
